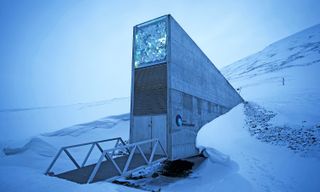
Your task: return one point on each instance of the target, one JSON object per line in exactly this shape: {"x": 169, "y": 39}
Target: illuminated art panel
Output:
{"x": 150, "y": 43}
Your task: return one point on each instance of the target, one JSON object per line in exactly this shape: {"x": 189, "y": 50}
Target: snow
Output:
{"x": 270, "y": 143}
{"x": 297, "y": 60}
{"x": 27, "y": 179}
{"x": 23, "y": 162}
{"x": 214, "y": 155}
{"x": 266, "y": 167}
{"x": 22, "y": 123}
{"x": 293, "y": 104}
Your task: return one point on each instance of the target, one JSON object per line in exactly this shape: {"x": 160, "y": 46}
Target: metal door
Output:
{"x": 150, "y": 127}
{"x": 142, "y": 131}
{"x": 159, "y": 131}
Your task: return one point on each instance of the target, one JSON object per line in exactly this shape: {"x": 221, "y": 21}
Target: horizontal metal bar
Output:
{"x": 88, "y": 143}
{"x": 132, "y": 145}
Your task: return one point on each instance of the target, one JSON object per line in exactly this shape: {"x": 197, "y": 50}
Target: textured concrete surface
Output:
{"x": 192, "y": 74}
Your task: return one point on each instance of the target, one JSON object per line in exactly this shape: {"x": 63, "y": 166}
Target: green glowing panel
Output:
{"x": 150, "y": 43}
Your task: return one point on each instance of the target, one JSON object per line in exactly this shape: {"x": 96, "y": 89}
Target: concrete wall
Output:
{"x": 195, "y": 89}
{"x": 192, "y": 75}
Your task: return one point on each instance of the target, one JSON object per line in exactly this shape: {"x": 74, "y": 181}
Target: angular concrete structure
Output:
{"x": 175, "y": 90}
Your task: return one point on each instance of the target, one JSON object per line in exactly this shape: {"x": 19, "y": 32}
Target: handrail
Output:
{"x": 133, "y": 147}
{"x": 88, "y": 143}
{"x": 112, "y": 153}
{"x": 94, "y": 143}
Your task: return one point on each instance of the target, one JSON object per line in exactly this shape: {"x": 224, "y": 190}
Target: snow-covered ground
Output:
{"x": 22, "y": 123}
{"x": 270, "y": 143}
{"x": 262, "y": 166}
{"x": 23, "y": 162}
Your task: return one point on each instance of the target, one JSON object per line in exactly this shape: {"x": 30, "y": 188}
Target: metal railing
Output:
{"x": 132, "y": 149}
{"x": 110, "y": 154}
{"x": 93, "y": 144}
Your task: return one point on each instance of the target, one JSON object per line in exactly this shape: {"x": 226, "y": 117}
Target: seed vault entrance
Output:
{"x": 149, "y": 84}
{"x": 152, "y": 126}
{"x": 175, "y": 88}
{"x": 150, "y": 105}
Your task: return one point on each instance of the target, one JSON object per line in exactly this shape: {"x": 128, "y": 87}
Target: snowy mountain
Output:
{"x": 269, "y": 143}
{"x": 298, "y": 50}
{"x": 283, "y": 82}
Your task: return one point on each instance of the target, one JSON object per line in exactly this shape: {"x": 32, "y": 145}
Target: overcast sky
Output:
{"x": 69, "y": 51}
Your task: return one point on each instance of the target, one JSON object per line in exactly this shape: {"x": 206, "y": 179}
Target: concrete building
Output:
{"x": 175, "y": 90}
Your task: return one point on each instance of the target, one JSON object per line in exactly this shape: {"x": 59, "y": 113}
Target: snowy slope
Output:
{"x": 295, "y": 61}
{"x": 283, "y": 82}
{"x": 298, "y": 50}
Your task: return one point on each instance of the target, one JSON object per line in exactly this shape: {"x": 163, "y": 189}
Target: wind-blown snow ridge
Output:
{"x": 79, "y": 105}
{"x": 36, "y": 145}
{"x": 104, "y": 123}
{"x": 26, "y": 123}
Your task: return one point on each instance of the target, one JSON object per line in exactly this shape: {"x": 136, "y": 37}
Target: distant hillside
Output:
{"x": 300, "y": 49}
{"x": 282, "y": 85}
